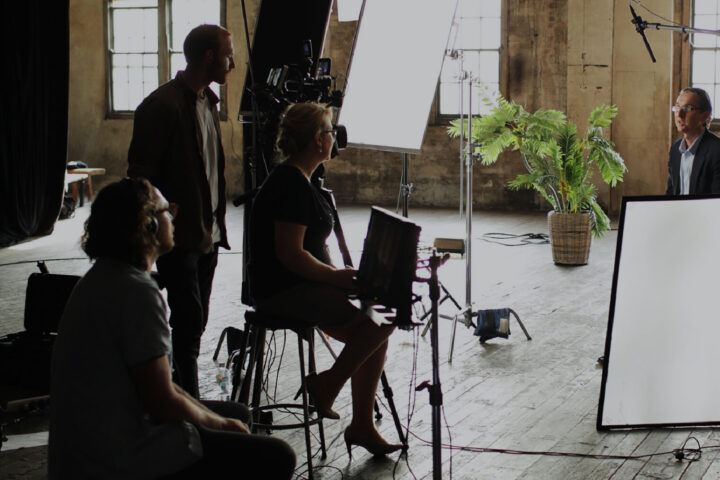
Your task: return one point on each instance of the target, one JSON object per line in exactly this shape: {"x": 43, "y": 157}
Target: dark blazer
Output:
{"x": 705, "y": 173}
{"x": 166, "y": 148}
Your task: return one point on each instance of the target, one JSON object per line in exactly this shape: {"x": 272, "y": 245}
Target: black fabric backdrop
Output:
{"x": 33, "y": 116}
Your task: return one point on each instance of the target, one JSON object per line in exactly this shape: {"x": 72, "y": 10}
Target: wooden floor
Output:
{"x": 514, "y": 394}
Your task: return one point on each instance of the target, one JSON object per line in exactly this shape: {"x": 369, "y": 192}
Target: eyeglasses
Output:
{"x": 171, "y": 209}
{"x": 685, "y": 108}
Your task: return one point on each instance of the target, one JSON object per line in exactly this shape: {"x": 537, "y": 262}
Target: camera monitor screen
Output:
{"x": 661, "y": 349}
{"x": 389, "y": 260}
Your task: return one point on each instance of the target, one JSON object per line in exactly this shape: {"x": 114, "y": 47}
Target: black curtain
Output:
{"x": 33, "y": 116}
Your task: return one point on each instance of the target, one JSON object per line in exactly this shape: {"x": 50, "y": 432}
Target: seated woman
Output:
{"x": 291, "y": 273}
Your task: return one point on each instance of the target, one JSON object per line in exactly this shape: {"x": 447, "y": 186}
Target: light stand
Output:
{"x": 405, "y": 187}
{"x": 467, "y": 311}
{"x": 462, "y": 77}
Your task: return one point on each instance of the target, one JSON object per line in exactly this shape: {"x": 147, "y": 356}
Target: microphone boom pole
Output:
{"x": 641, "y": 25}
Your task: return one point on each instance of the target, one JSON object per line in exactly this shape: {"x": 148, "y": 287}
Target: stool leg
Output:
{"x": 242, "y": 394}
{"x": 306, "y": 412}
{"x": 257, "y": 384}
{"x": 313, "y": 369}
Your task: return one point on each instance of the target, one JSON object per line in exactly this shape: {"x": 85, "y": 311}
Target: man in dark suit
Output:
{"x": 694, "y": 164}
{"x": 176, "y": 145}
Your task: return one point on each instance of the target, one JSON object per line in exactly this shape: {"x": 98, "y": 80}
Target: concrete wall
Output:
{"x": 570, "y": 55}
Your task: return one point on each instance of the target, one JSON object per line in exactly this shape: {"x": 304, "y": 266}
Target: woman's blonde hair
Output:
{"x": 298, "y": 126}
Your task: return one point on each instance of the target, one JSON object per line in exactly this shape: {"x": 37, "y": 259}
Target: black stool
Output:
{"x": 257, "y": 324}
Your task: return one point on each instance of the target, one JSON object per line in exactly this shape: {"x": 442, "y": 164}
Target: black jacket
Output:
{"x": 166, "y": 148}
{"x": 705, "y": 173}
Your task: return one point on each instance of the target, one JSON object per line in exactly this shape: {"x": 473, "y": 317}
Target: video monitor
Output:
{"x": 389, "y": 260}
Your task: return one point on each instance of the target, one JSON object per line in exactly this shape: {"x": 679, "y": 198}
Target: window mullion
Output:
{"x": 163, "y": 41}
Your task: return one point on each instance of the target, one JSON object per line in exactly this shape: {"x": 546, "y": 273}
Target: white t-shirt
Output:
{"x": 210, "y": 141}
{"x": 114, "y": 319}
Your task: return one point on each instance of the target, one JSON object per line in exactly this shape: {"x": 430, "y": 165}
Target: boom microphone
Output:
{"x": 640, "y": 27}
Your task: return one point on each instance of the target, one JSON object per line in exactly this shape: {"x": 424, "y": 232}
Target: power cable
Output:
{"x": 515, "y": 240}
{"x": 683, "y": 453}
{"x": 641, "y": 5}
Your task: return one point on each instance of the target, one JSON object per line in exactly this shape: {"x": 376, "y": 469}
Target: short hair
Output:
{"x": 201, "y": 39}
{"x": 120, "y": 222}
{"x": 702, "y": 95}
{"x": 298, "y": 126}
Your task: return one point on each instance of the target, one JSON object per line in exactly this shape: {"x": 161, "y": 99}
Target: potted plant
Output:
{"x": 559, "y": 165}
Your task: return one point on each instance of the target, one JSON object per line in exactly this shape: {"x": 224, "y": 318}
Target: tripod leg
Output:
{"x": 427, "y": 314}
{"x": 517, "y": 317}
{"x": 452, "y": 340}
{"x": 447, "y": 295}
{"x": 427, "y": 325}
{"x": 387, "y": 391}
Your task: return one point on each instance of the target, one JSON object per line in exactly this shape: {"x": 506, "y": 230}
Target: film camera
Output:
{"x": 297, "y": 83}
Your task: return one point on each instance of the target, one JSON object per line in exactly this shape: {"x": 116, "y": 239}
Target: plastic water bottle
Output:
{"x": 221, "y": 377}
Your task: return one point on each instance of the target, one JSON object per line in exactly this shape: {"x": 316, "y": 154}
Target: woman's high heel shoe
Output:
{"x": 376, "y": 448}
{"x": 323, "y": 410}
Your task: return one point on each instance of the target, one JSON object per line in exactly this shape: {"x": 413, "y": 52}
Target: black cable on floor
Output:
{"x": 20, "y": 262}
{"x": 683, "y": 453}
{"x": 515, "y": 240}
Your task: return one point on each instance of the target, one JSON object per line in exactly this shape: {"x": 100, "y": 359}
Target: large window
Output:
{"x": 145, "y": 39}
{"x": 476, "y": 41}
{"x": 705, "y": 51}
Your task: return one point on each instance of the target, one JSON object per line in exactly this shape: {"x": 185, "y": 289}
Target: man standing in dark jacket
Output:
{"x": 694, "y": 163}
{"x": 176, "y": 145}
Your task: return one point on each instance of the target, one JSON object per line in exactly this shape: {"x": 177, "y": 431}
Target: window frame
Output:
{"x": 164, "y": 52}
{"x": 443, "y": 119}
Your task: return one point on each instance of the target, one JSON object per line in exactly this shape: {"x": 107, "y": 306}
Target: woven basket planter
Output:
{"x": 570, "y": 235}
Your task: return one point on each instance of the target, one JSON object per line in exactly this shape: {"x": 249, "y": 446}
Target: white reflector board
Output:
{"x": 662, "y": 351}
{"x": 397, "y": 55}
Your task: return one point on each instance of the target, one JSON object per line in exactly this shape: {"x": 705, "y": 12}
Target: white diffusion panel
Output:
{"x": 397, "y": 56}
{"x": 349, "y": 10}
{"x": 663, "y": 345}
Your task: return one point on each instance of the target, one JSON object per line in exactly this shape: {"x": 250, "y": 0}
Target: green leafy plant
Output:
{"x": 559, "y": 162}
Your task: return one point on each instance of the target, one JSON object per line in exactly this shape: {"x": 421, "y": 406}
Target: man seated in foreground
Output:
{"x": 115, "y": 412}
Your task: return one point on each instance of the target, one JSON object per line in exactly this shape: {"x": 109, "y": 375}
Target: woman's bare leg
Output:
{"x": 363, "y": 339}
